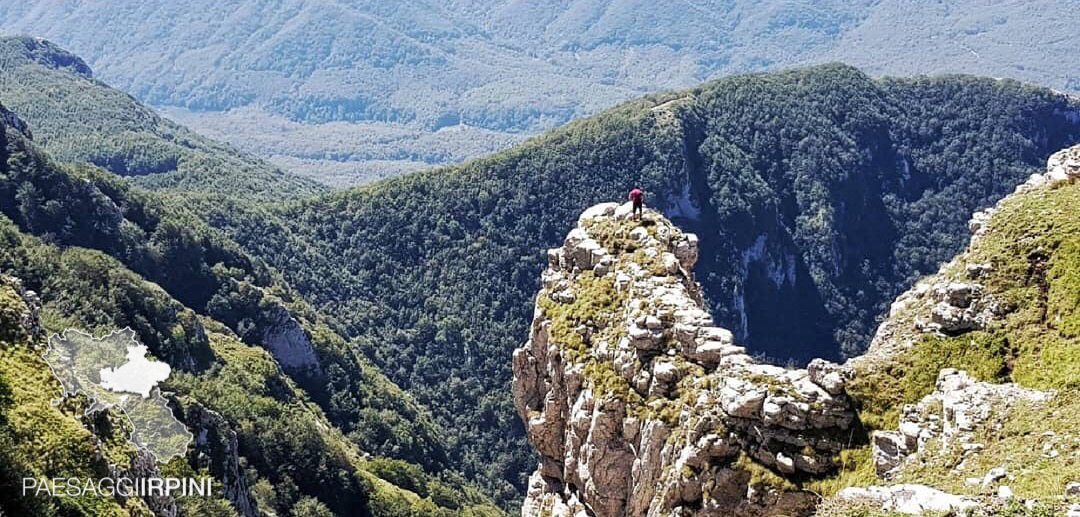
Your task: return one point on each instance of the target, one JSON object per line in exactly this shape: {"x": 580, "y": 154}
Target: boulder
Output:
{"x": 712, "y": 352}
{"x": 909, "y": 499}
{"x": 994, "y": 475}
{"x": 718, "y": 334}
{"x": 666, "y": 372}
{"x": 743, "y": 401}
{"x": 600, "y": 211}
{"x": 785, "y": 463}
{"x": 957, "y": 294}
{"x": 1072, "y": 489}
{"x": 889, "y": 450}
{"x": 830, "y": 376}
{"x": 976, "y": 271}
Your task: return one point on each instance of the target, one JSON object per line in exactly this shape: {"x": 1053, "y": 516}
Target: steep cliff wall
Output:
{"x": 639, "y": 405}
{"x": 966, "y": 401}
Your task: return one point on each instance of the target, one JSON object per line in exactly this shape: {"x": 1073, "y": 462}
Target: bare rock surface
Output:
{"x": 639, "y": 405}
{"x": 950, "y": 415}
{"x": 909, "y": 499}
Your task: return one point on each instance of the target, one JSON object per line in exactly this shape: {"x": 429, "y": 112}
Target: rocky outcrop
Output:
{"x": 143, "y": 466}
{"x": 639, "y": 405}
{"x": 956, "y": 428}
{"x": 49, "y": 54}
{"x": 20, "y": 310}
{"x": 216, "y": 449}
{"x": 290, "y": 344}
{"x": 1063, "y": 166}
{"x": 909, "y": 499}
{"x": 950, "y": 415}
{"x": 10, "y": 119}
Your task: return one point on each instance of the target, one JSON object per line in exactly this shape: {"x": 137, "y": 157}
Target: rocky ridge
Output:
{"x": 639, "y": 405}
{"x": 945, "y": 425}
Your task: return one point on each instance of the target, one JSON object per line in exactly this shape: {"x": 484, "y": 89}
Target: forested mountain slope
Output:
{"x": 79, "y": 119}
{"x": 818, "y": 195}
{"x": 467, "y": 77}
{"x": 286, "y": 412}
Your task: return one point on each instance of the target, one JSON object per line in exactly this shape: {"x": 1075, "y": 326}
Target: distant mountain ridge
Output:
{"x": 80, "y": 119}
{"x": 818, "y": 195}
{"x": 494, "y": 70}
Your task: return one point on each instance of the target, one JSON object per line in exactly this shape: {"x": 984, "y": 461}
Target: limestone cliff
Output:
{"x": 966, "y": 401}
{"x": 639, "y": 405}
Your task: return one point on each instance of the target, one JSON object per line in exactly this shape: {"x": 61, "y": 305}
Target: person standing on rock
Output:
{"x": 637, "y": 197}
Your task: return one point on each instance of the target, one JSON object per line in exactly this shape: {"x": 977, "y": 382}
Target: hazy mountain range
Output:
{"x": 347, "y": 92}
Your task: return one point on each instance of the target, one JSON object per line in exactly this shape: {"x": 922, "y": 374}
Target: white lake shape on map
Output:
{"x": 138, "y": 375}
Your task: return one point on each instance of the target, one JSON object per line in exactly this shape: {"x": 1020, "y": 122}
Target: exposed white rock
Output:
{"x": 1063, "y": 166}
{"x": 977, "y": 271}
{"x": 958, "y": 406}
{"x": 889, "y": 450}
{"x": 290, "y": 345}
{"x": 960, "y": 307}
{"x": 953, "y": 422}
{"x": 994, "y": 475}
{"x": 833, "y": 377}
{"x": 1073, "y": 488}
{"x": 908, "y": 499}
{"x": 217, "y": 450}
{"x": 602, "y": 210}
{"x": 650, "y": 419}
{"x": 666, "y": 372}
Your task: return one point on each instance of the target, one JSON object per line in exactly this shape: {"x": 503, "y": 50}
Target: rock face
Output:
{"x": 909, "y": 499}
{"x": 290, "y": 345}
{"x": 143, "y": 465}
{"x": 19, "y": 311}
{"x": 217, "y": 450}
{"x": 639, "y": 405}
{"x": 951, "y": 414}
{"x": 12, "y": 120}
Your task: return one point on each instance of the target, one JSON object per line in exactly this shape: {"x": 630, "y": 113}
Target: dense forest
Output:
{"x": 819, "y": 194}
{"x": 337, "y": 437}
{"x": 375, "y": 90}
{"x": 76, "y": 118}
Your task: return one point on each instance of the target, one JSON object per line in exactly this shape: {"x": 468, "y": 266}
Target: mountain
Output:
{"x": 360, "y": 90}
{"x": 970, "y": 385}
{"x": 79, "y": 119}
{"x": 818, "y": 196}
{"x": 639, "y": 405}
{"x": 288, "y": 419}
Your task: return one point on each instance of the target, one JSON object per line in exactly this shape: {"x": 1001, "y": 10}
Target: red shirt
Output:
{"x": 636, "y": 195}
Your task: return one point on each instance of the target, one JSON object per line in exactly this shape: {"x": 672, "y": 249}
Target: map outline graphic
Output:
{"x": 155, "y": 429}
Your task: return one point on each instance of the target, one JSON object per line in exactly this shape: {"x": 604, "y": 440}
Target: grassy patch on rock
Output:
{"x": 1033, "y": 249}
